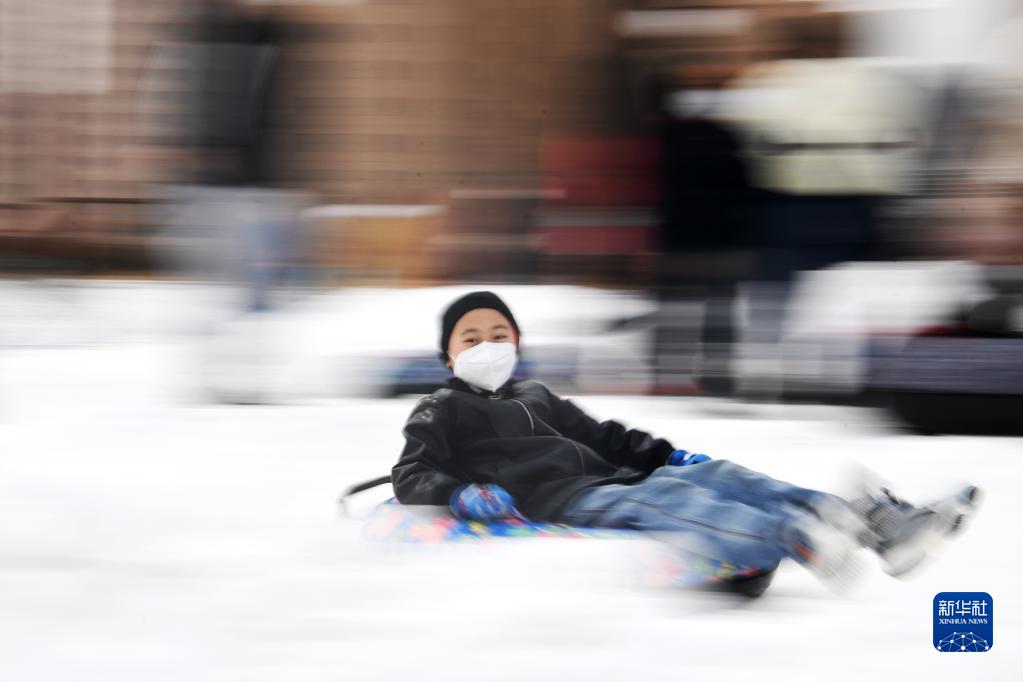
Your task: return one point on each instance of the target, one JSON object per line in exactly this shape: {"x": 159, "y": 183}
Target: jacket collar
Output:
{"x": 504, "y": 391}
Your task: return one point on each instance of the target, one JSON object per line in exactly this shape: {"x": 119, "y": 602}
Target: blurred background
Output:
{"x": 786, "y": 233}
{"x": 751, "y": 199}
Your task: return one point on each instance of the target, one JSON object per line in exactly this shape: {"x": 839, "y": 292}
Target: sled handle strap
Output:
{"x": 365, "y": 485}
{"x": 361, "y": 487}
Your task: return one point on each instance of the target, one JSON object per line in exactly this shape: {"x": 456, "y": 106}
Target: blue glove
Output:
{"x": 684, "y": 458}
{"x": 482, "y": 502}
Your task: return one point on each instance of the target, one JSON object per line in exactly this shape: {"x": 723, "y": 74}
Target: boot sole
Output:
{"x": 915, "y": 546}
{"x": 957, "y": 509}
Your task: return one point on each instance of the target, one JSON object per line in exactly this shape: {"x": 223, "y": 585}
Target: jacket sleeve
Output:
{"x": 619, "y": 445}
{"x": 424, "y": 472}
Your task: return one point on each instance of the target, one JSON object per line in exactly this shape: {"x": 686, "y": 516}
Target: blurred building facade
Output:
{"x": 74, "y": 168}
{"x": 499, "y": 116}
{"x": 443, "y": 140}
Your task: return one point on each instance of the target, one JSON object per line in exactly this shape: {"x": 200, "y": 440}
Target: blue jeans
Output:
{"x": 723, "y": 509}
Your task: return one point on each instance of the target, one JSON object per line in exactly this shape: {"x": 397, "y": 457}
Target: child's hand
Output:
{"x": 684, "y": 458}
{"x": 482, "y": 502}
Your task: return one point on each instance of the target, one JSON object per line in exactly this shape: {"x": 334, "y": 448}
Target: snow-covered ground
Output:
{"x": 147, "y": 536}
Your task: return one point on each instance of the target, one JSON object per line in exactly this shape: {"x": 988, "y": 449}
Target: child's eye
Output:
{"x": 500, "y": 336}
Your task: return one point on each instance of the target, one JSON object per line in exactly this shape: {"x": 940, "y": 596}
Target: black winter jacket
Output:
{"x": 540, "y": 448}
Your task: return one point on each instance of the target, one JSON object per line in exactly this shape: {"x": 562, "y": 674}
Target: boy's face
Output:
{"x": 477, "y": 326}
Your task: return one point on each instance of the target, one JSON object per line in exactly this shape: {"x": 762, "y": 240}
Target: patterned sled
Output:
{"x": 394, "y": 522}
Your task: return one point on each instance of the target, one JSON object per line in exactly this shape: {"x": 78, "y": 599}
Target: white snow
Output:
{"x": 147, "y": 536}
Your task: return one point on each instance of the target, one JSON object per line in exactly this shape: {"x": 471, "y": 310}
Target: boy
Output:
{"x": 492, "y": 447}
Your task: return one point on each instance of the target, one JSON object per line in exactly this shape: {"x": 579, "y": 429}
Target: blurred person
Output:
{"x": 995, "y": 87}
{"x": 975, "y": 151}
{"x": 491, "y": 447}
{"x": 235, "y": 219}
{"x": 829, "y": 140}
{"x": 973, "y": 170}
{"x": 705, "y": 194}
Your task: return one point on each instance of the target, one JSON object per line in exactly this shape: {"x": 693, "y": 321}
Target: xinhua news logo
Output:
{"x": 963, "y": 622}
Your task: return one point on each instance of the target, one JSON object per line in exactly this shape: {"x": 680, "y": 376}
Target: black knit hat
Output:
{"x": 459, "y": 307}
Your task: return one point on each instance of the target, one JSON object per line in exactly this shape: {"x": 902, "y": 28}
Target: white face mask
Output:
{"x": 486, "y": 365}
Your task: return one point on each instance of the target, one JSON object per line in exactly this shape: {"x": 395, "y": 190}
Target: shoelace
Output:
{"x": 882, "y": 513}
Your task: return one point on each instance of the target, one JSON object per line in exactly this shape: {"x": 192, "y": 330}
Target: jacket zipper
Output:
{"x": 532, "y": 426}
{"x": 532, "y": 432}
{"x": 582, "y": 464}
